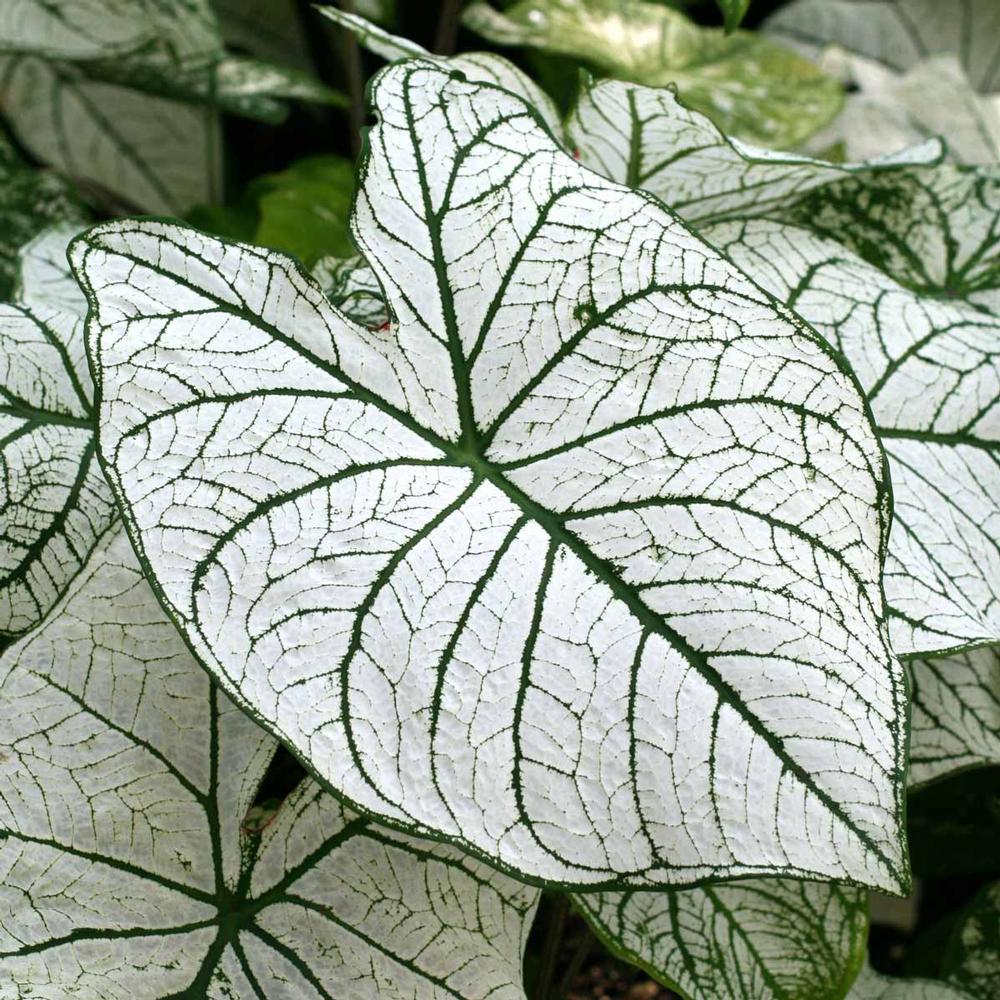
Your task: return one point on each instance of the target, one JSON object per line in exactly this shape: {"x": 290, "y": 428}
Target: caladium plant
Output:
{"x": 564, "y": 466}
{"x": 615, "y": 521}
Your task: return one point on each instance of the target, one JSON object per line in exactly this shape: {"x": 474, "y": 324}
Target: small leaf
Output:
{"x": 870, "y": 985}
{"x": 900, "y": 33}
{"x": 351, "y": 286}
{"x": 955, "y": 720}
{"x": 901, "y": 272}
{"x": 514, "y": 570}
{"x": 750, "y": 86}
{"x": 125, "y": 869}
{"x": 762, "y": 939}
{"x": 647, "y": 138}
{"x": 55, "y": 503}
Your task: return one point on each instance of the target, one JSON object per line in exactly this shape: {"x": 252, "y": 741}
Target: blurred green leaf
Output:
{"x": 749, "y": 85}
{"x": 733, "y": 11}
{"x": 303, "y": 210}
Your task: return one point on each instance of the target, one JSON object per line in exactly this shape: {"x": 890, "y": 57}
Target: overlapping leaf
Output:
{"x": 136, "y": 115}
{"x": 30, "y": 201}
{"x": 576, "y": 564}
{"x": 900, "y": 33}
{"x": 763, "y": 939}
{"x": 754, "y": 88}
{"x": 901, "y": 274}
{"x": 124, "y": 869}
{"x": 54, "y": 501}
{"x": 870, "y": 985}
{"x": 646, "y": 138}
{"x": 955, "y": 719}
{"x": 887, "y": 111}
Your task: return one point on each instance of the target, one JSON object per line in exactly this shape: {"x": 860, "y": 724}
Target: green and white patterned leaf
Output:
{"x": 30, "y": 201}
{"x": 900, "y": 273}
{"x": 955, "y": 718}
{"x": 972, "y": 957}
{"x": 481, "y": 67}
{"x": 159, "y": 155}
{"x": 576, "y": 565}
{"x": 870, "y": 985}
{"x": 124, "y": 869}
{"x": 646, "y": 138}
{"x": 753, "y": 88}
{"x": 763, "y": 939}
{"x": 887, "y": 111}
{"x": 54, "y": 501}
{"x": 900, "y": 33}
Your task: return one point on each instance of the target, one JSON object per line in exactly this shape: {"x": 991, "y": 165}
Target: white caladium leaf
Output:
{"x": 54, "y": 500}
{"x": 901, "y": 274}
{"x": 870, "y": 985}
{"x": 590, "y": 491}
{"x": 955, "y": 718}
{"x": 75, "y": 29}
{"x": 30, "y": 201}
{"x": 350, "y": 284}
{"x": 159, "y": 155}
{"x": 124, "y": 869}
{"x": 762, "y": 939}
{"x": 646, "y": 138}
{"x": 752, "y": 87}
{"x": 887, "y": 111}
{"x": 44, "y": 279}
{"x": 900, "y": 33}
{"x": 483, "y": 67}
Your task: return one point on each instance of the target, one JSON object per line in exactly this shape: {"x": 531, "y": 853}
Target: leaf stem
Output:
{"x": 355, "y": 80}
{"x": 447, "y": 30}
{"x": 551, "y": 947}
{"x": 581, "y": 952}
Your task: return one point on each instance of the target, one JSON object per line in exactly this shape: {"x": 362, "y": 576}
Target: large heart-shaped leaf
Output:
{"x": 955, "y": 719}
{"x": 646, "y": 138}
{"x": 900, "y": 33}
{"x": 902, "y": 274}
{"x": 54, "y": 501}
{"x": 749, "y": 85}
{"x": 577, "y": 564}
{"x": 763, "y": 939}
{"x": 124, "y": 869}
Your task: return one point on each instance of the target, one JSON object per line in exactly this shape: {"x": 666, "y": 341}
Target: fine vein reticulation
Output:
{"x": 576, "y": 564}
{"x": 126, "y": 870}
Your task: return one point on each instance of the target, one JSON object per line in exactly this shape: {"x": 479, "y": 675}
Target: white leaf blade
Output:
{"x": 55, "y": 503}
{"x": 870, "y": 985}
{"x": 124, "y": 731}
{"x": 927, "y": 360}
{"x": 955, "y": 721}
{"x": 763, "y": 939}
{"x": 646, "y": 138}
{"x": 157, "y": 154}
{"x": 526, "y": 557}
{"x": 900, "y": 32}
